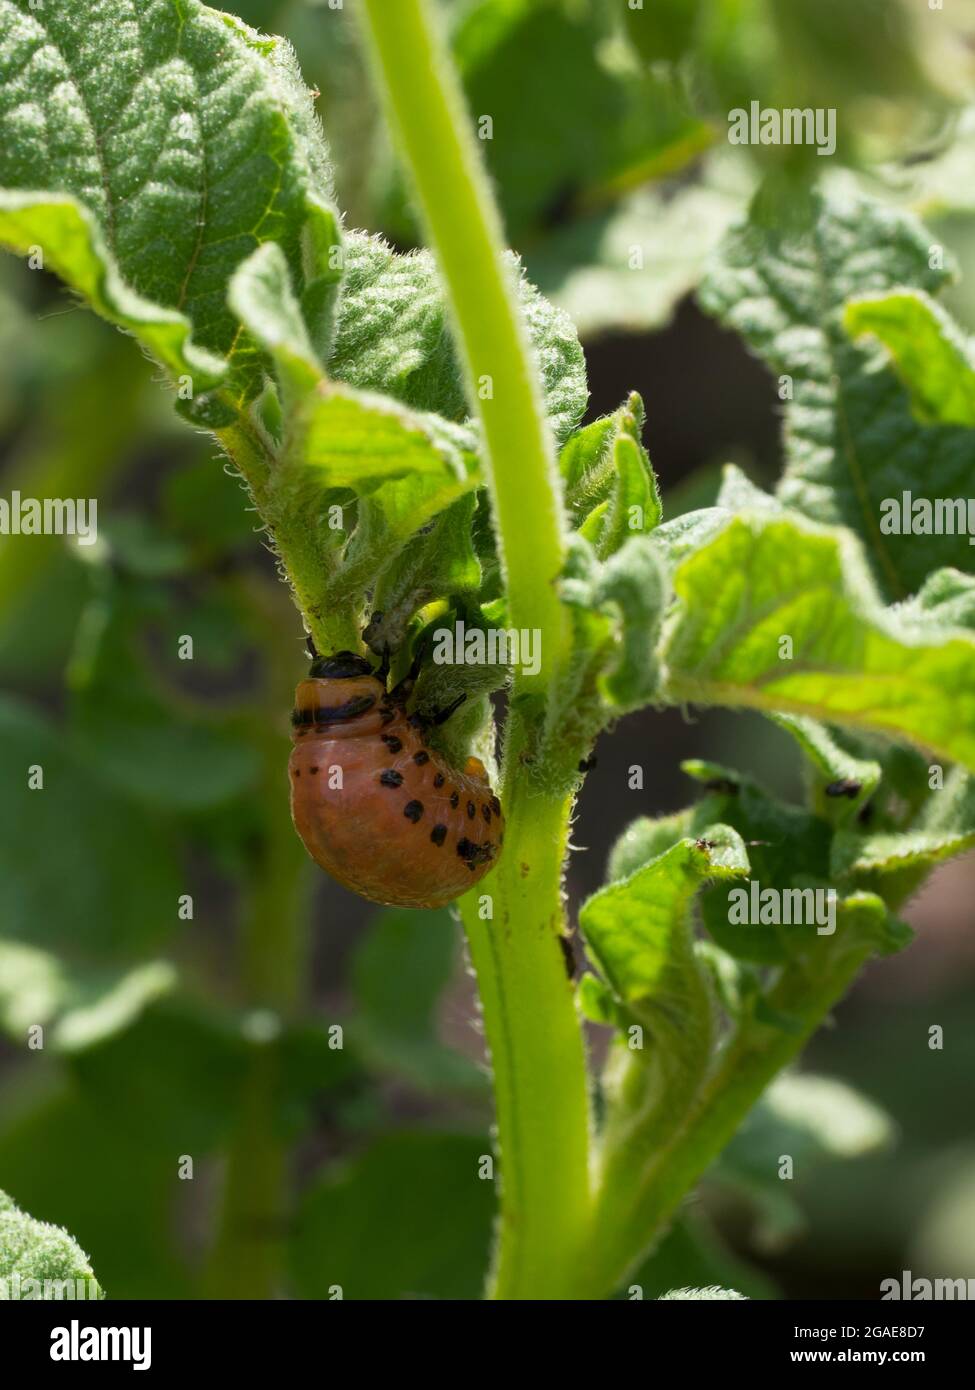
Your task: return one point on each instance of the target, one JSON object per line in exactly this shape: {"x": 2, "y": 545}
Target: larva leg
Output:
{"x": 382, "y": 670}
{"x": 442, "y": 715}
{"x": 401, "y": 692}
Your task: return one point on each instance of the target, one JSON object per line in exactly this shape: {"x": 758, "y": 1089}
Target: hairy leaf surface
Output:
{"x": 780, "y": 614}
{"x": 32, "y": 1249}
{"x": 178, "y": 139}
{"x": 852, "y": 440}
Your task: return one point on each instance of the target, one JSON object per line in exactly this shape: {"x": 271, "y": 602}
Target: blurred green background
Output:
{"x": 193, "y": 974}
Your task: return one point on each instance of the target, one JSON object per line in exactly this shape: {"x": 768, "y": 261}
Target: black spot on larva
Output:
{"x": 471, "y": 810}
{"x": 388, "y": 715}
{"x": 421, "y": 757}
{"x": 473, "y": 853}
{"x": 438, "y": 834}
{"x": 495, "y": 805}
{"x": 439, "y": 780}
{"x": 391, "y": 778}
{"x": 417, "y": 721}
{"x": 486, "y": 812}
{"x": 313, "y": 769}
{"x": 413, "y": 810}
{"x": 454, "y": 800}
{"x": 394, "y": 744}
{"x": 297, "y": 771}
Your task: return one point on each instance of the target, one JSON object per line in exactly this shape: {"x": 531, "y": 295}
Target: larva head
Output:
{"x": 342, "y": 695}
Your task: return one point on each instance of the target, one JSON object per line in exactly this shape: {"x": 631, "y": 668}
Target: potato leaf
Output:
{"x": 790, "y": 851}
{"x": 944, "y": 827}
{"x": 169, "y": 141}
{"x": 852, "y": 439}
{"x": 611, "y": 488}
{"x": 637, "y": 933}
{"x": 947, "y": 597}
{"x": 393, "y": 336}
{"x": 38, "y": 1260}
{"x": 617, "y": 609}
{"x": 779, "y": 614}
{"x": 625, "y": 268}
{"x": 929, "y": 353}
{"x": 712, "y": 1294}
{"x": 840, "y": 783}
{"x": 73, "y": 246}
{"x": 655, "y": 986}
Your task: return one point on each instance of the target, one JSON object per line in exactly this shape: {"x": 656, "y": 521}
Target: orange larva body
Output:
{"x": 376, "y": 808}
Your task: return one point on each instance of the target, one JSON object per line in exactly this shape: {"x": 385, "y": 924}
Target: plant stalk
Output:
{"x": 537, "y": 1052}
{"x": 530, "y": 1018}
{"x": 639, "y": 1190}
{"x": 278, "y": 501}
{"x": 426, "y": 112}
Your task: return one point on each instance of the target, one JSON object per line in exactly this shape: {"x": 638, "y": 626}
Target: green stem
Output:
{"x": 639, "y": 1189}
{"x": 285, "y": 501}
{"x": 529, "y": 1012}
{"x": 537, "y": 1052}
{"x": 426, "y": 111}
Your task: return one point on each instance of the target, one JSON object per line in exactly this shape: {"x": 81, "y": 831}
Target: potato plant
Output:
{"x": 408, "y": 426}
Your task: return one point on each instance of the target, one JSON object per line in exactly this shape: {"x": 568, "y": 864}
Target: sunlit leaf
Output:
{"x": 32, "y": 1250}
{"x": 781, "y": 615}
{"x": 183, "y": 140}
{"x": 852, "y": 441}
